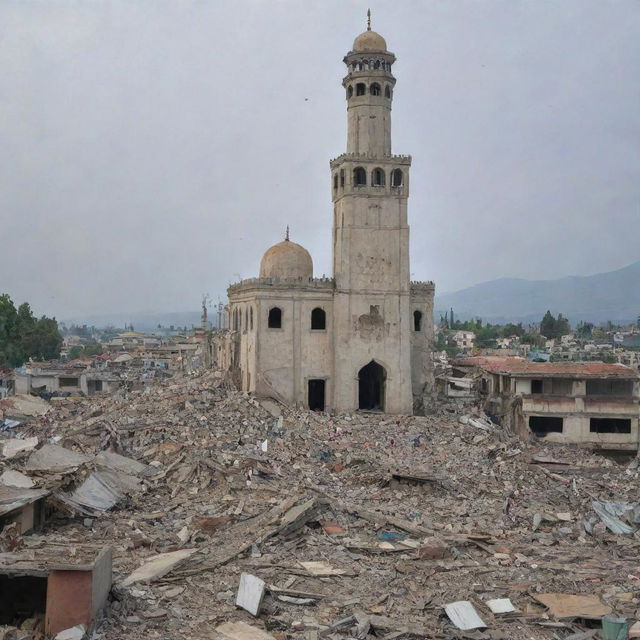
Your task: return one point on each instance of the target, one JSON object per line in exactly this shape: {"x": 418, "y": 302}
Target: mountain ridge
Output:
{"x": 612, "y": 295}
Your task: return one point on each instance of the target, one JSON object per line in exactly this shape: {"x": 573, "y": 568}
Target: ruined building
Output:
{"x": 362, "y": 339}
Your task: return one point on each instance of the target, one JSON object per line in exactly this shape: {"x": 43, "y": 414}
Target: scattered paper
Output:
{"x": 463, "y": 615}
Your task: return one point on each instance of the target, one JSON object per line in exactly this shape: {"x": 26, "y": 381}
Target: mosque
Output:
{"x": 361, "y": 340}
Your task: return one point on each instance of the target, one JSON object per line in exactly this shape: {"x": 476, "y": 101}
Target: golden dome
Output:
{"x": 369, "y": 41}
{"x": 286, "y": 260}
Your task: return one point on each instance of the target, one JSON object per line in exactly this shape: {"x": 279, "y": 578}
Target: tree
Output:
{"x": 562, "y": 327}
{"x": 584, "y": 330}
{"x": 512, "y": 330}
{"x": 22, "y": 336}
{"x": 548, "y": 326}
{"x": 74, "y": 352}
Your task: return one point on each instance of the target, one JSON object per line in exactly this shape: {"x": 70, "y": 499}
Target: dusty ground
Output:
{"x": 368, "y": 481}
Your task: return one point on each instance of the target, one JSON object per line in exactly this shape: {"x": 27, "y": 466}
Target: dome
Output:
{"x": 369, "y": 41}
{"x": 286, "y": 260}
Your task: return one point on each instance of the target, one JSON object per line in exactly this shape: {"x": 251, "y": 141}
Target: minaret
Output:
{"x": 370, "y": 187}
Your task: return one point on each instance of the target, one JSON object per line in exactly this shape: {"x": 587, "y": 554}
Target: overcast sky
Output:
{"x": 152, "y": 150}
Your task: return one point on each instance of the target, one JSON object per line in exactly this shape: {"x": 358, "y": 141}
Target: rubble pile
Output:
{"x": 231, "y": 517}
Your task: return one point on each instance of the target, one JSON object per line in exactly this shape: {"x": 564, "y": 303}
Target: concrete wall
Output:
{"x": 101, "y": 581}
{"x": 422, "y": 375}
{"x": 280, "y": 362}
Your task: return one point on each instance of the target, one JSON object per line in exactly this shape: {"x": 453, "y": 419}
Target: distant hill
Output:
{"x": 141, "y": 321}
{"x": 611, "y": 296}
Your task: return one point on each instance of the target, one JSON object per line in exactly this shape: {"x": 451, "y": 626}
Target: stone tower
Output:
{"x": 362, "y": 339}
{"x": 370, "y": 187}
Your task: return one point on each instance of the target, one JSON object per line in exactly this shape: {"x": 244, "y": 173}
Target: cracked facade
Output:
{"x": 362, "y": 339}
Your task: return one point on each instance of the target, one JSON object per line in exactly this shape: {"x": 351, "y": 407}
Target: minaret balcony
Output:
{"x": 364, "y": 158}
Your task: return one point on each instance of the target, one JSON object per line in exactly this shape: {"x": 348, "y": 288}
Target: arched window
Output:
{"x": 349, "y": 91}
{"x": 251, "y": 318}
{"x": 361, "y": 89}
{"x": 376, "y": 64}
{"x": 359, "y": 176}
{"x": 342, "y": 177}
{"x": 375, "y": 89}
{"x": 235, "y": 319}
{"x": 417, "y": 320}
{"x": 275, "y": 318}
{"x": 318, "y": 319}
{"x": 396, "y": 178}
{"x": 365, "y": 64}
{"x": 246, "y": 319}
{"x": 335, "y": 181}
{"x": 377, "y": 178}
{"x": 360, "y": 66}
{"x": 387, "y": 91}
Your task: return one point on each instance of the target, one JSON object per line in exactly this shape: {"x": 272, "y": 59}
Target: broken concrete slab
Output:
{"x": 53, "y": 458}
{"x": 250, "y": 593}
{"x": 13, "y": 478}
{"x": 299, "y": 515}
{"x": 23, "y": 405}
{"x": 116, "y": 462}
{"x": 157, "y": 566}
{"x": 15, "y": 446}
{"x": 101, "y": 491}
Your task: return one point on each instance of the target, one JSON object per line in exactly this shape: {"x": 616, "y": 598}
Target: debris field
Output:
{"x": 231, "y": 517}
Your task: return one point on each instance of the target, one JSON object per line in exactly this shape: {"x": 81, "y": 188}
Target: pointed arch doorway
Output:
{"x": 371, "y": 383}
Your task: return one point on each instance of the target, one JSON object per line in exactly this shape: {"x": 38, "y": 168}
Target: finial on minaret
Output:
{"x": 368, "y": 19}
{"x": 286, "y": 235}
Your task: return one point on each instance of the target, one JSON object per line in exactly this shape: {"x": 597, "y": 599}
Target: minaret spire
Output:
{"x": 368, "y": 19}
{"x": 286, "y": 235}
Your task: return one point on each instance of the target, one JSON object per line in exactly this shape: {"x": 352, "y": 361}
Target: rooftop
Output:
{"x": 521, "y": 368}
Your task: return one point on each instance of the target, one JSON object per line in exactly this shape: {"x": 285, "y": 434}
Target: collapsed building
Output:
{"x": 591, "y": 403}
{"x": 363, "y": 338}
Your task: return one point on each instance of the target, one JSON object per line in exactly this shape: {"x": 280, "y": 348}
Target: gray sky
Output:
{"x": 152, "y": 150}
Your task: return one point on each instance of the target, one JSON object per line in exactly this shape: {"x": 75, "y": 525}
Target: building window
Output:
{"x": 335, "y": 182}
{"x": 609, "y": 387}
{"x": 387, "y": 92}
{"x": 396, "y": 178}
{"x": 541, "y": 425}
{"x": 359, "y": 177}
{"x": 376, "y": 64}
{"x": 349, "y": 91}
{"x": 610, "y": 425}
{"x": 251, "y": 318}
{"x": 361, "y": 89}
{"x": 536, "y": 386}
{"x": 318, "y": 319}
{"x": 417, "y": 320}
{"x": 375, "y": 89}
{"x": 275, "y": 318}
{"x": 342, "y": 177}
{"x": 377, "y": 178}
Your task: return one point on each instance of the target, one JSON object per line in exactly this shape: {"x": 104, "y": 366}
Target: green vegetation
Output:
{"x": 554, "y": 327}
{"x": 23, "y": 336}
{"x": 85, "y": 351}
